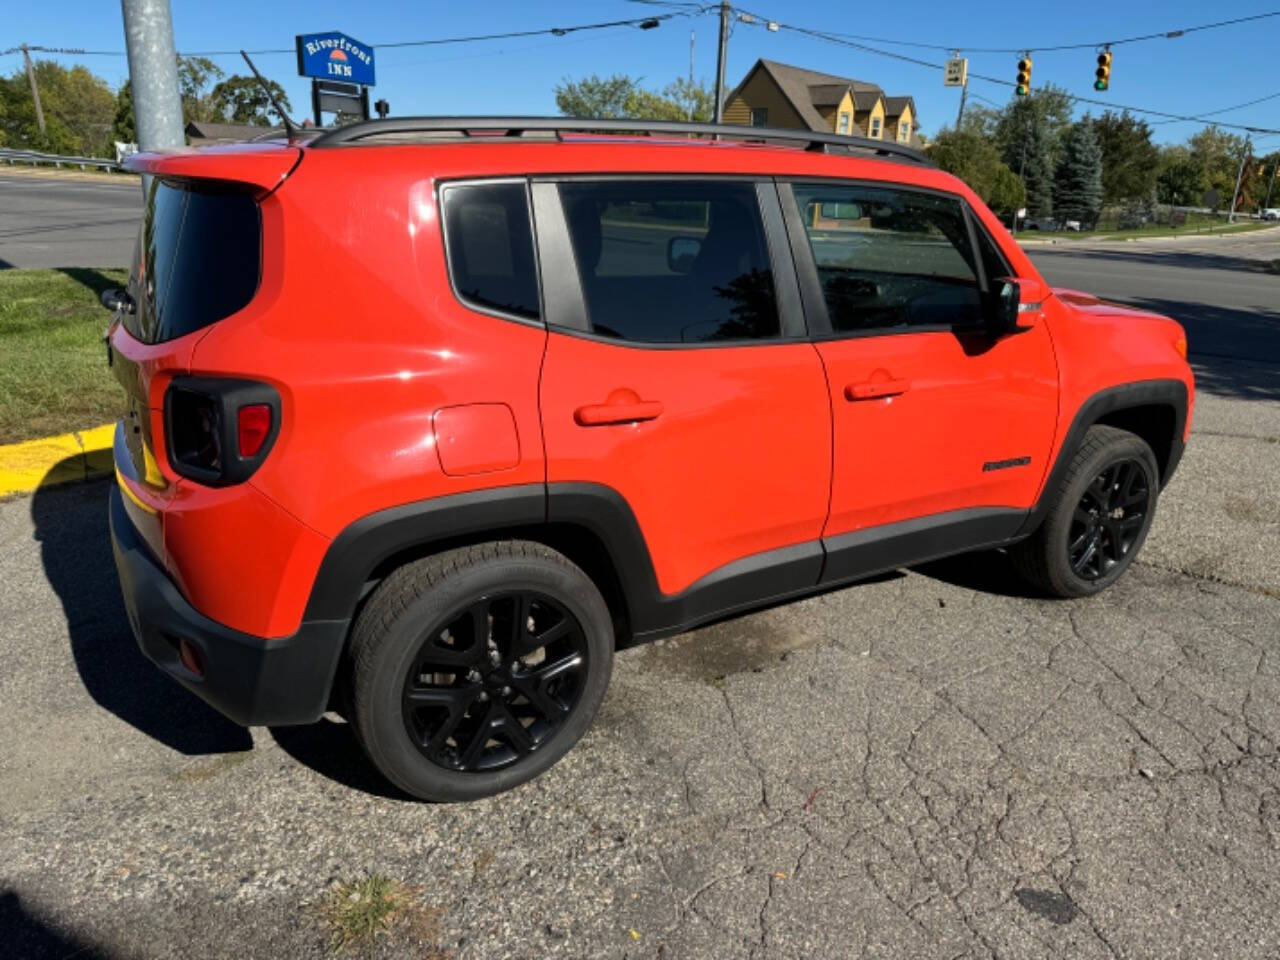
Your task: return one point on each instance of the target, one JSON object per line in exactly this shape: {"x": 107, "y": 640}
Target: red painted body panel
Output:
{"x": 356, "y": 326}
{"x": 966, "y": 401}
{"x": 737, "y": 462}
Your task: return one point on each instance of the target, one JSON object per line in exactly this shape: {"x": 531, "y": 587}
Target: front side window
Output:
{"x": 490, "y": 247}
{"x": 759, "y": 116}
{"x": 844, "y": 123}
{"x": 672, "y": 261}
{"x": 889, "y": 258}
{"x": 875, "y": 127}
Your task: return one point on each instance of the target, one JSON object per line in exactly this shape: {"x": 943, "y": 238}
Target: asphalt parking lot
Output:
{"x": 933, "y": 764}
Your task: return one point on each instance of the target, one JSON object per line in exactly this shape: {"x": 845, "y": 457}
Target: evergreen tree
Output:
{"x": 1077, "y": 183}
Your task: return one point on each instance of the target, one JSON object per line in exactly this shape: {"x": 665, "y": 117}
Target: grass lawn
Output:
{"x": 54, "y": 377}
{"x": 1155, "y": 230}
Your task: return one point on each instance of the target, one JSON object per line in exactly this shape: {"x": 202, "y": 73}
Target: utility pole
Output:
{"x": 720, "y": 58}
{"x": 153, "y": 73}
{"x": 1235, "y": 197}
{"x": 689, "y": 112}
{"x": 1275, "y": 169}
{"x": 964, "y": 91}
{"x": 35, "y": 91}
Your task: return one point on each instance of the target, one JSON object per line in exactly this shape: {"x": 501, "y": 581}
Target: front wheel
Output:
{"x": 1098, "y": 519}
{"x": 475, "y": 670}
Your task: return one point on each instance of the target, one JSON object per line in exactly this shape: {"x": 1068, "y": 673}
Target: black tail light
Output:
{"x": 219, "y": 430}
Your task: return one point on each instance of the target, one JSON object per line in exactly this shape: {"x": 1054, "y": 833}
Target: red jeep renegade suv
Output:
{"x": 425, "y": 416}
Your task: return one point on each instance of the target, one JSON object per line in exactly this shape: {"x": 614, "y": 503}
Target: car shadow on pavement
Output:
{"x": 26, "y": 935}
{"x": 75, "y": 550}
{"x": 986, "y": 571}
{"x": 330, "y": 749}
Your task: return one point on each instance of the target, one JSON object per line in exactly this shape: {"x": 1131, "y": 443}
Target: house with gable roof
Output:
{"x": 778, "y": 95}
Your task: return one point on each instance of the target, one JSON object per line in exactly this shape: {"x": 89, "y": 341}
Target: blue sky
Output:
{"x": 1195, "y": 73}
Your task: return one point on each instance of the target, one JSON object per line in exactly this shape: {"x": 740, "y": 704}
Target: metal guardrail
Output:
{"x": 57, "y": 160}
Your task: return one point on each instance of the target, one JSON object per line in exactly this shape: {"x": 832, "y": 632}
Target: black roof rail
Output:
{"x": 520, "y": 126}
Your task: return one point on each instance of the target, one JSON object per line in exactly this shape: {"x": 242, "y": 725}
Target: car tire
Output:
{"x": 1098, "y": 518}
{"x": 476, "y": 669}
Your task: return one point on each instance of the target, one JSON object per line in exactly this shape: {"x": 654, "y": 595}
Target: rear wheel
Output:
{"x": 477, "y": 669}
{"x": 1099, "y": 517}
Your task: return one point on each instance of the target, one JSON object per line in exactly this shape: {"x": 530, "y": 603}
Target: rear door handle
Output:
{"x": 602, "y": 414}
{"x": 872, "y": 389}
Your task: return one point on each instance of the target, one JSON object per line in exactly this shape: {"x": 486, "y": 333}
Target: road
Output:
{"x": 934, "y": 764}
{"x": 52, "y": 222}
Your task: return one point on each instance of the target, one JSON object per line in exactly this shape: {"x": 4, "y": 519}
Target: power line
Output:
{"x": 1162, "y": 35}
{"x": 643, "y": 23}
{"x": 839, "y": 40}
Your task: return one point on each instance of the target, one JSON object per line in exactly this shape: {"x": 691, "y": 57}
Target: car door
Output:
{"x": 678, "y": 375}
{"x": 940, "y": 432}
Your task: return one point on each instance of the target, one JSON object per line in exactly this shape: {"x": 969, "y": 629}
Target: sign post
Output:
{"x": 341, "y": 71}
{"x": 956, "y": 74}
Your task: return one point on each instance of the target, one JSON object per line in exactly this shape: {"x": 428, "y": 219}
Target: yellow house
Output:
{"x": 777, "y": 95}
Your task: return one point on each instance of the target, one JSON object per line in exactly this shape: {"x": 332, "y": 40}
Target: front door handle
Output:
{"x": 602, "y": 414}
{"x": 873, "y": 389}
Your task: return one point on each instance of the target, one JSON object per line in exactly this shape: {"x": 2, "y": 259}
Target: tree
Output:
{"x": 975, "y": 160}
{"x": 1077, "y": 181}
{"x": 604, "y": 98}
{"x": 1179, "y": 178}
{"x": 1129, "y": 159}
{"x": 620, "y": 96}
{"x": 1218, "y": 154}
{"x": 124, "y": 129}
{"x": 194, "y": 75}
{"x": 78, "y": 109}
{"x": 240, "y": 99}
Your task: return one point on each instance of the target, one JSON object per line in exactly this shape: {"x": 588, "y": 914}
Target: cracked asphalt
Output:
{"x": 933, "y": 764}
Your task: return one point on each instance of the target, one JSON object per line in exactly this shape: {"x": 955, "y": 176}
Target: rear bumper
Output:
{"x": 253, "y": 681}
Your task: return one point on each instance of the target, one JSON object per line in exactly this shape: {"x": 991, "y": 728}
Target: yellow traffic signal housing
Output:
{"x": 1103, "y": 73}
{"x": 1023, "y": 87}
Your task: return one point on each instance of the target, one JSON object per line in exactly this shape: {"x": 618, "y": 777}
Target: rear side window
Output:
{"x": 672, "y": 261}
{"x": 890, "y": 258}
{"x": 198, "y": 259}
{"x": 490, "y": 247}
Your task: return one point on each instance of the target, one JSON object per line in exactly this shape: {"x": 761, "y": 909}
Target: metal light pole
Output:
{"x": 35, "y": 91}
{"x": 153, "y": 73}
{"x": 1275, "y": 169}
{"x": 1235, "y": 197}
{"x": 720, "y": 58}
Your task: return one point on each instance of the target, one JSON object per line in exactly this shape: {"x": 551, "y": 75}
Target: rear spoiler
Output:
{"x": 262, "y": 165}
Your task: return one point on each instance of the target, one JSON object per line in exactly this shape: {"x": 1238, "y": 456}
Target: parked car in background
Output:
{"x": 1271, "y": 213}
{"x": 421, "y": 418}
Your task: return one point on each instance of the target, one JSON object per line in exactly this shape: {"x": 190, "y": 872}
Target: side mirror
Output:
{"x": 1014, "y": 305}
{"x": 682, "y": 252}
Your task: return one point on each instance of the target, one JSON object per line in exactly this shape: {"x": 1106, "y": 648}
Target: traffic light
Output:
{"x": 1103, "y": 72}
{"x": 1023, "y": 87}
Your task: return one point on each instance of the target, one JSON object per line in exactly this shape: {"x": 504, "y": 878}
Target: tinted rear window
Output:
{"x": 490, "y": 246}
{"x": 198, "y": 259}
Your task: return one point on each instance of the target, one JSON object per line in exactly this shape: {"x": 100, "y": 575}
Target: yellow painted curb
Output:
{"x": 69, "y": 458}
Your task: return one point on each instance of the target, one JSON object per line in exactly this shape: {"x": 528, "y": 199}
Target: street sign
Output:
{"x": 956, "y": 72}
{"x": 335, "y": 56}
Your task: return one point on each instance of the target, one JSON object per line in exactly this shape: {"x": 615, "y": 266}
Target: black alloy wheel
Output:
{"x": 1108, "y": 519}
{"x": 494, "y": 680}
